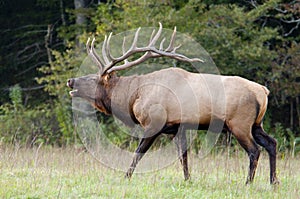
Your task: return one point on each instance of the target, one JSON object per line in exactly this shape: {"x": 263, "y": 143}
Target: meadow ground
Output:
{"x": 70, "y": 173}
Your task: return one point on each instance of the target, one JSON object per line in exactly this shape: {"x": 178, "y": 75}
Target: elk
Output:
{"x": 172, "y": 100}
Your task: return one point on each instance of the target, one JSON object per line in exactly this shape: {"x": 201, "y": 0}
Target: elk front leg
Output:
{"x": 143, "y": 146}
{"x": 181, "y": 143}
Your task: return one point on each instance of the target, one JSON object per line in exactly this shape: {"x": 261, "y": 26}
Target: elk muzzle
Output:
{"x": 70, "y": 84}
{"x": 84, "y": 87}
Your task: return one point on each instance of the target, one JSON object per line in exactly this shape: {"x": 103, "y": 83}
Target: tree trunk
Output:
{"x": 48, "y": 42}
{"x": 62, "y": 12}
{"x": 298, "y": 110}
{"x": 291, "y": 113}
{"x": 80, "y": 18}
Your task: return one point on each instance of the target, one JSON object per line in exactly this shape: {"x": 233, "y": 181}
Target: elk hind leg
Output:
{"x": 269, "y": 143}
{"x": 245, "y": 139}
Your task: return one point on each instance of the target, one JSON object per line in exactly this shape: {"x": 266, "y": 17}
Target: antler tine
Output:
{"x": 171, "y": 45}
{"x": 104, "y": 55}
{"x": 123, "y": 48}
{"x": 184, "y": 58}
{"x": 161, "y": 46}
{"x": 108, "y": 48}
{"x": 127, "y": 64}
{"x": 155, "y": 38}
{"x": 123, "y": 45}
{"x": 109, "y": 59}
{"x": 133, "y": 49}
{"x": 174, "y": 55}
{"x": 92, "y": 53}
{"x": 177, "y": 47}
{"x": 95, "y": 55}
{"x": 152, "y": 35}
{"x": 136, "y": 36}
{"x": 87, "y": 45}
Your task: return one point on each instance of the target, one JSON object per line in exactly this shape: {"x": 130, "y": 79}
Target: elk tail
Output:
{"x": 262, "y": 106}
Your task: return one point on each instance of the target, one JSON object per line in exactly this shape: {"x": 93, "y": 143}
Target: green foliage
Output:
{"x": 16, "y": 97}
{"x": 296, "y": 146}
{"x": 286, "y": 73}
{"x": 119, "y": 135}
{"x": 58, "y": 72}
{"x": 236, "y": 43}
{"x": 24, "y": 25}
{"x": 287, "y": 142}
{"x": 113, "y": 15}
{"x": 64, "y": 118}
{"x": 30, "y": 126}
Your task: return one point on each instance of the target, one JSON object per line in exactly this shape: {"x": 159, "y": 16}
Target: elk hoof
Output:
{"x": 275, "y": 182}
{"x": 128, "y": 175}
{"x": 248, "y": 182}
{"x": 187, "y": 177}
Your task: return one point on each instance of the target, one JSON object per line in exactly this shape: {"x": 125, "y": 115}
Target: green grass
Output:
{"x": 73, "y": 173}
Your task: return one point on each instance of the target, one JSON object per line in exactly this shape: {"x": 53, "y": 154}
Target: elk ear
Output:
{"x": 107, "y": 76}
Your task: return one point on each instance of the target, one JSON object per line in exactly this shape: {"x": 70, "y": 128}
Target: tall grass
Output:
{"x": 45, "y": 172}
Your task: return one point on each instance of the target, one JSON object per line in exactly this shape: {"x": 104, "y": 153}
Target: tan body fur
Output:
{"x": 191, "y": 98}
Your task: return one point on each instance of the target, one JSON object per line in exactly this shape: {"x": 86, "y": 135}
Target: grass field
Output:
{"x": 72, "y": 173}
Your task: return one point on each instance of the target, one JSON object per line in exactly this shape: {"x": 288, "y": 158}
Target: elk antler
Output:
{"x": 108, "y": 64}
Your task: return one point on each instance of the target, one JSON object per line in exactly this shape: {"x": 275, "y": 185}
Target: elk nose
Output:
{"x": 70, "y": 83}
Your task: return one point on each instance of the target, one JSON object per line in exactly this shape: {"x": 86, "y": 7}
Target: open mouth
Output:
{"x": 73, "y": 93}
{"x": 70, "y": 84}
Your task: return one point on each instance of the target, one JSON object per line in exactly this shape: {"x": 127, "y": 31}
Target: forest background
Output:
{"x": 42, "y": 45}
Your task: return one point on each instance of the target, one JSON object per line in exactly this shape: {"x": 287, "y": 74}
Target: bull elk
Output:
{"x": 161, "y": 101}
